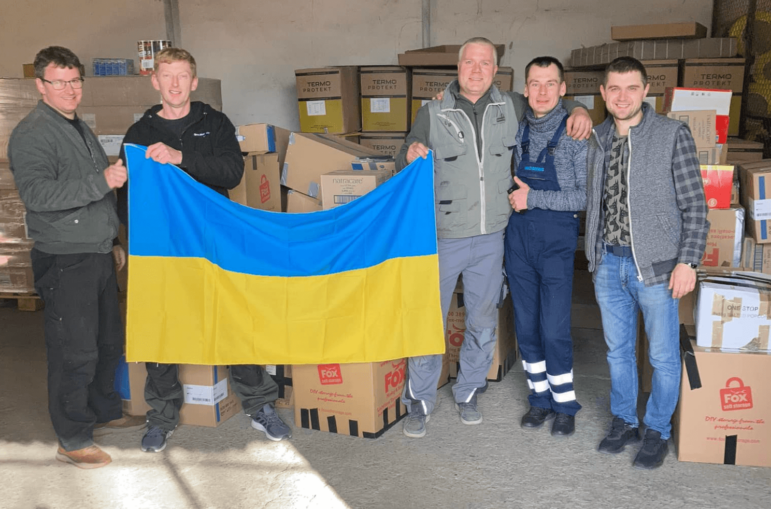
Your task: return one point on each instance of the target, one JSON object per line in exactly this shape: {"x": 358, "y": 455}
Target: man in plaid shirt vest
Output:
{"x": 646, "y": 230}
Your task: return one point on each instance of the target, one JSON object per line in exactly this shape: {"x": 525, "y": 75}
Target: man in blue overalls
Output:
{"x": 540, "y": 246}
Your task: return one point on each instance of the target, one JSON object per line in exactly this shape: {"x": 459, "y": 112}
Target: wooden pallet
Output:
{"x": 25, "y": 301}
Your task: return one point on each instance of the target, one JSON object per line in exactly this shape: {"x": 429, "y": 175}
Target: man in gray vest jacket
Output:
{"x": 66, "y": 184}
{"x": 472, "y": 130}
{"x": 646, "y": 230}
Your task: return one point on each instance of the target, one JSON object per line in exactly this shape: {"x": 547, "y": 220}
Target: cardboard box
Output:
{"x": 371, "y": 164}
{"x": 504, "y": 79}
{"x": 297, "y": 202}
{"x": 209, "y": 399}
{"x": 756, "y": 257}
{"x": 263, "y": 138}
{"x": 702, "y": 125}
{"x": 506, "y": 346}
{"x": 385, "y": 98}
{"x": 719, "y": 74}
{"x": 755, "y": 190}
{"x": 28, "y": 70}
{"x": 343, "y": 186}
{"x": 735, "y": 195}
{"x": 386, "y": 143}
{"x": 724, "y": 241}
{"x": 447, "y": 55}
{"x": 6, "y": 177}
{"x": 17, "y": 279}
{"x": 361, "y": 400}
{"x": 262, "y": 177}
{"x": 13, "y": 227}
{"x": 718, "y": 185}
{"x": 659, "y": 31}
{"x": 427, "y": 83}
{"x": 740, "y": 150}
{"x": 328, "y": 99}
{"x": 665, "y": 49}
{"x": 725, "y": 419}
{"x": 311, "y": 155}
{"x": 282, "y": 375}
{"x": 692, "y": 99}
{"x": 732, "y": 313}
{"x": 582, "y": 82}
{"x": 661, "y": 75}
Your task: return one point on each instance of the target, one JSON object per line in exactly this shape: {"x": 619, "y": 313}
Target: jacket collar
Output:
{"x": 196, "y": 112}
{"x": 452, "y": 93}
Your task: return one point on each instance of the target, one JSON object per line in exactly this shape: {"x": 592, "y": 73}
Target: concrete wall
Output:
{"x": 254, "y": 47}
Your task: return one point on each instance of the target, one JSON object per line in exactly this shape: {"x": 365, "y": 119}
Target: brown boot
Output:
{"x": 88, "y": 457}
{"x": 125, "y": 423}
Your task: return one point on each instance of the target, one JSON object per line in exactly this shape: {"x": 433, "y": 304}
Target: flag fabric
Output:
{"x": 215, "y": 282}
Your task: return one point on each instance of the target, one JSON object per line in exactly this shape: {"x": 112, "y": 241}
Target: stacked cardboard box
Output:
{"x": 662, "y": 74}
{"x": 311, "y": 155}
{"x": 584, "y": 87}
{"x": 328, "y": 99}
{"x": 265, "y": 147}
{"x": 665, "y": 49}
{"x": 755, "y": 188}
{"x": 385, "y": 99}
{"x": 388, "y": 144}
{"x": 15, "y": 263}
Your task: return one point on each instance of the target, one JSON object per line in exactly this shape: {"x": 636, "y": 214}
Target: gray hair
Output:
{"x": 479, "y": 40}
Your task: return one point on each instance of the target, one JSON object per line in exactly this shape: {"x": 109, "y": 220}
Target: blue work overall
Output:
{"x": 540, "y": 251}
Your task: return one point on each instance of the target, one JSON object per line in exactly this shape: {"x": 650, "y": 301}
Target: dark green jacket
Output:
{"x": 70, "y": 207}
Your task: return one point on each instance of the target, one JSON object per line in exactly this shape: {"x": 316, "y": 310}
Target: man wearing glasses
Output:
{"x": 66, "y": 184}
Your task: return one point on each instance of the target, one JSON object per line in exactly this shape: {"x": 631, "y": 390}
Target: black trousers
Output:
{"x": 84, "y": 341}
{"x": 163, "y": 392}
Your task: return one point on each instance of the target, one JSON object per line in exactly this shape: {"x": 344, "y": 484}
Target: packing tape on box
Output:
{"x": 689, "y": 359}
{"x": 284, "y": 172}
{"x": 309, "y": 419}
{"x": 729, "y": 456}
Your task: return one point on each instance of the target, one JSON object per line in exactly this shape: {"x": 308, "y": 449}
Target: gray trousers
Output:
{"x": 480, "y": 260}
{"x": 163, "y": 392}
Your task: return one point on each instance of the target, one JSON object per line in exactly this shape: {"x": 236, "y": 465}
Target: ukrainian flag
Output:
{"x": 214, "y": 282}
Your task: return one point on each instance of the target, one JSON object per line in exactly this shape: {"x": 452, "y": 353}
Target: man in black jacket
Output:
{"x": 202, "y": 142}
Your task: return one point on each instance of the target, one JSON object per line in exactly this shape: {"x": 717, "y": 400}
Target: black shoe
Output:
{"x": 535, "y": 417}
{"x": 620, "y": 434}
{"x": 652, "y": 452}
{"x": 564, "y": 425}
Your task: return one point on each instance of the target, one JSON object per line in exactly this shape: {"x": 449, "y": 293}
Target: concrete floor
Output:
{"x": 493, "y": 465}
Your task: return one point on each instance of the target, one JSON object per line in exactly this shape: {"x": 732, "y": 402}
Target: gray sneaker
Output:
{"x": 267, "y": 420}
{"x": 415, "y": 424}
{"x": 155, "y": 439}
{"x": 468, "y": 411}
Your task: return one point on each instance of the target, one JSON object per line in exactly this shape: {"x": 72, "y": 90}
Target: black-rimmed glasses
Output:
{"x": 60, "y": 85}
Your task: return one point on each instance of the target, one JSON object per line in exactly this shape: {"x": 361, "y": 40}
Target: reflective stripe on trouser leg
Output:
{"x": 538, "y": 383}
{"x": 482, "y": 282}
{"x": 561, "y": 387}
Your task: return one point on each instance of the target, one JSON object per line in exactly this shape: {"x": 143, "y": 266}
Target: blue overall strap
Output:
{"x": 551, "y": 147}
{"x": 525, "y": 143}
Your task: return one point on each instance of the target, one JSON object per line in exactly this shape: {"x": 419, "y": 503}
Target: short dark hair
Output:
{"x": 60, "y": 57}
{"x": 624, "y": 65}
{"x": 545, "y": 62}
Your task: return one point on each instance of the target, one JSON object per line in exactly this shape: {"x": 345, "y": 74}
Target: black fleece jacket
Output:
{"x": 210, "y": 150}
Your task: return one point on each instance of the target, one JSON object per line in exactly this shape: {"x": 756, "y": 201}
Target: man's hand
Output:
{"x": 518, "y": 198}
{"x": 682, "y": 281}
{"x": 579, "y": 124}
{"x": 438, "y": 97}
{"x": 115, "y": 175}
{"x": 162, "y": 153}
{"x": 119, "y": 254}
{"x": 416, "y": 150}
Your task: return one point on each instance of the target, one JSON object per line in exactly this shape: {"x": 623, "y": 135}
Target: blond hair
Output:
{"x": 169, "y": 55}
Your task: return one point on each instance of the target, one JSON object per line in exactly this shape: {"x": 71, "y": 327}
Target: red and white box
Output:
{"x": 691, "y": 99}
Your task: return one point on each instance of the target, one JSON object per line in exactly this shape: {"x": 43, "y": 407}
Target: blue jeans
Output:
{"x": 621, "y": 296}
